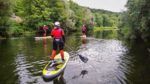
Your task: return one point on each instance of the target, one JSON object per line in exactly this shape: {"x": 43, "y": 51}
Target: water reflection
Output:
{"x": 45, "y": 45}
{"x": 60, "y": 80}
{"x": 136, "y": 64}
{"x": 102, "y": 67}
{"x": 106, "y": 34}
{"x": 110, "y": 62}
{"x": 83, "y": 39}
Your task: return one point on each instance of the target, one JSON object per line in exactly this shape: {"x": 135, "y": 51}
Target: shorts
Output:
{"x": 58, "y": 44}
{"x": 84, "y": 32}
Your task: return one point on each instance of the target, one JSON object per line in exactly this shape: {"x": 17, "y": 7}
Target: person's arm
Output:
{"x": 63, "y": 36}
{"x": 52, "y": 35}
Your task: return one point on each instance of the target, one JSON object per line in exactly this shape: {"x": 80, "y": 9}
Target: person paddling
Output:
{"x": 84, "y": 30}
{"x": 45, "y": 28}
{"x": 58, "y": 41}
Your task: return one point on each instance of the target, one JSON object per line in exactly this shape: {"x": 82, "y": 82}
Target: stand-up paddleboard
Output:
{"x": 40, "y": 38}
{"x": 52, "y": 72}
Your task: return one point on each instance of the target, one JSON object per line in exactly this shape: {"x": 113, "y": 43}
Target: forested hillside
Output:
{"x": 35, "y": 13}
{"x": 105, "y": 18}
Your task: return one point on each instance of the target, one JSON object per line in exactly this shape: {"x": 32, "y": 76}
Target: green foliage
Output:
{"x": 106, "y": 32}
{"x": 98, "y": 20}
{"x": 77, "y": 16}
{"x": 109, "y": 34}
{"x": 5, "y": 12}
{"x": 105, "y": 18}
{"x": 36, "y": 13}
{"x": 137, "y": 19}
{"x": 16, "y": 29}
{"x": 106, "y": 21}
{"x": 18, "y": 7}
{"x": 58, "y": 11}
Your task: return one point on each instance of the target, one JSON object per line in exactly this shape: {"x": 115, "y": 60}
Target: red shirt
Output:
{"x": 57, "y": 32}
{"x": 45, "y": 27}
{"x": 84, "y": 28}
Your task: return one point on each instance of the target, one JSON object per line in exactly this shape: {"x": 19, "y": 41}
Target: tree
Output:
{"x": 105, "y": 18}
{"x": 5, "y": 13}
{"x": 99, "y": 20}
{"x": 138, "y": 19}
{"x": 37, "y": 13}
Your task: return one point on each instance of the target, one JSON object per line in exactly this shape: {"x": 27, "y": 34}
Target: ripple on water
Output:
{"x": 28, "y": 72}
{"x": 103, "y": 65}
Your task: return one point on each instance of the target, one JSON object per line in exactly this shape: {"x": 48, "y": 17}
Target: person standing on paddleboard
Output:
{"x": 84, "y": 30}
{"x": 58, "y": 41}
{"x": 45, "y": 28}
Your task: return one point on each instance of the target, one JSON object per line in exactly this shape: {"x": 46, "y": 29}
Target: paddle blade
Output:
{"x": 83, "y": 59}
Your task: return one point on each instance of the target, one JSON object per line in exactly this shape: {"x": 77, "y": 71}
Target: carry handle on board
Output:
{"x": 83, "y": 58}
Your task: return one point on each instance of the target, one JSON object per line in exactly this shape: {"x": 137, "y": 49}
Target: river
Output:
{"x": 110, "y": 61}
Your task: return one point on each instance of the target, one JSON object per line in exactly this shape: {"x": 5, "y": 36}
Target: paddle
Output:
{"x": 83, "y": 58}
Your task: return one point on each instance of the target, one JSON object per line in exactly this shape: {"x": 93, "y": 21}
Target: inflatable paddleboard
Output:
{"x": 52, "y": 72}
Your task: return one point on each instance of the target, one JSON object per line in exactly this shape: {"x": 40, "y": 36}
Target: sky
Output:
{"x": 111, "y": 5}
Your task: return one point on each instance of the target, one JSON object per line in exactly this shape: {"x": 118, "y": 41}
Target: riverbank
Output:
{"x": 96, "y": 29}
{"x": 2, "y": 38}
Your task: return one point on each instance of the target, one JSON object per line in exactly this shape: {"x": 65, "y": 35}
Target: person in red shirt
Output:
{"x": 45, "y": 28}
{"x": 58, "y": 41}
{"x": 84, "y": 30}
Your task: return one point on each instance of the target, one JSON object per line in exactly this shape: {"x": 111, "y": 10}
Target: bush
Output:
{"x": 16, "y": 29}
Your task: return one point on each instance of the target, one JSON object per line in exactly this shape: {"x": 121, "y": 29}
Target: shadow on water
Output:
{"x": 83, "y": 73}
{"x": 59, "y": 80}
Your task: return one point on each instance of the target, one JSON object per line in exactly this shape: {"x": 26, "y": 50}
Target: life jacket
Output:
{"x": 45, "y": 27}
{"x": 57, "y": 33}
{"x": 83, "y": 28}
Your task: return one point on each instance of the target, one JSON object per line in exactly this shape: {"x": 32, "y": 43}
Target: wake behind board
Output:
{"x": 52, "y": 72}
{"x": 40, "y": 38}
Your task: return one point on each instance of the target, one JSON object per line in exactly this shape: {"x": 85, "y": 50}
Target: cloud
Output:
{"x": 112, "y": 5}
